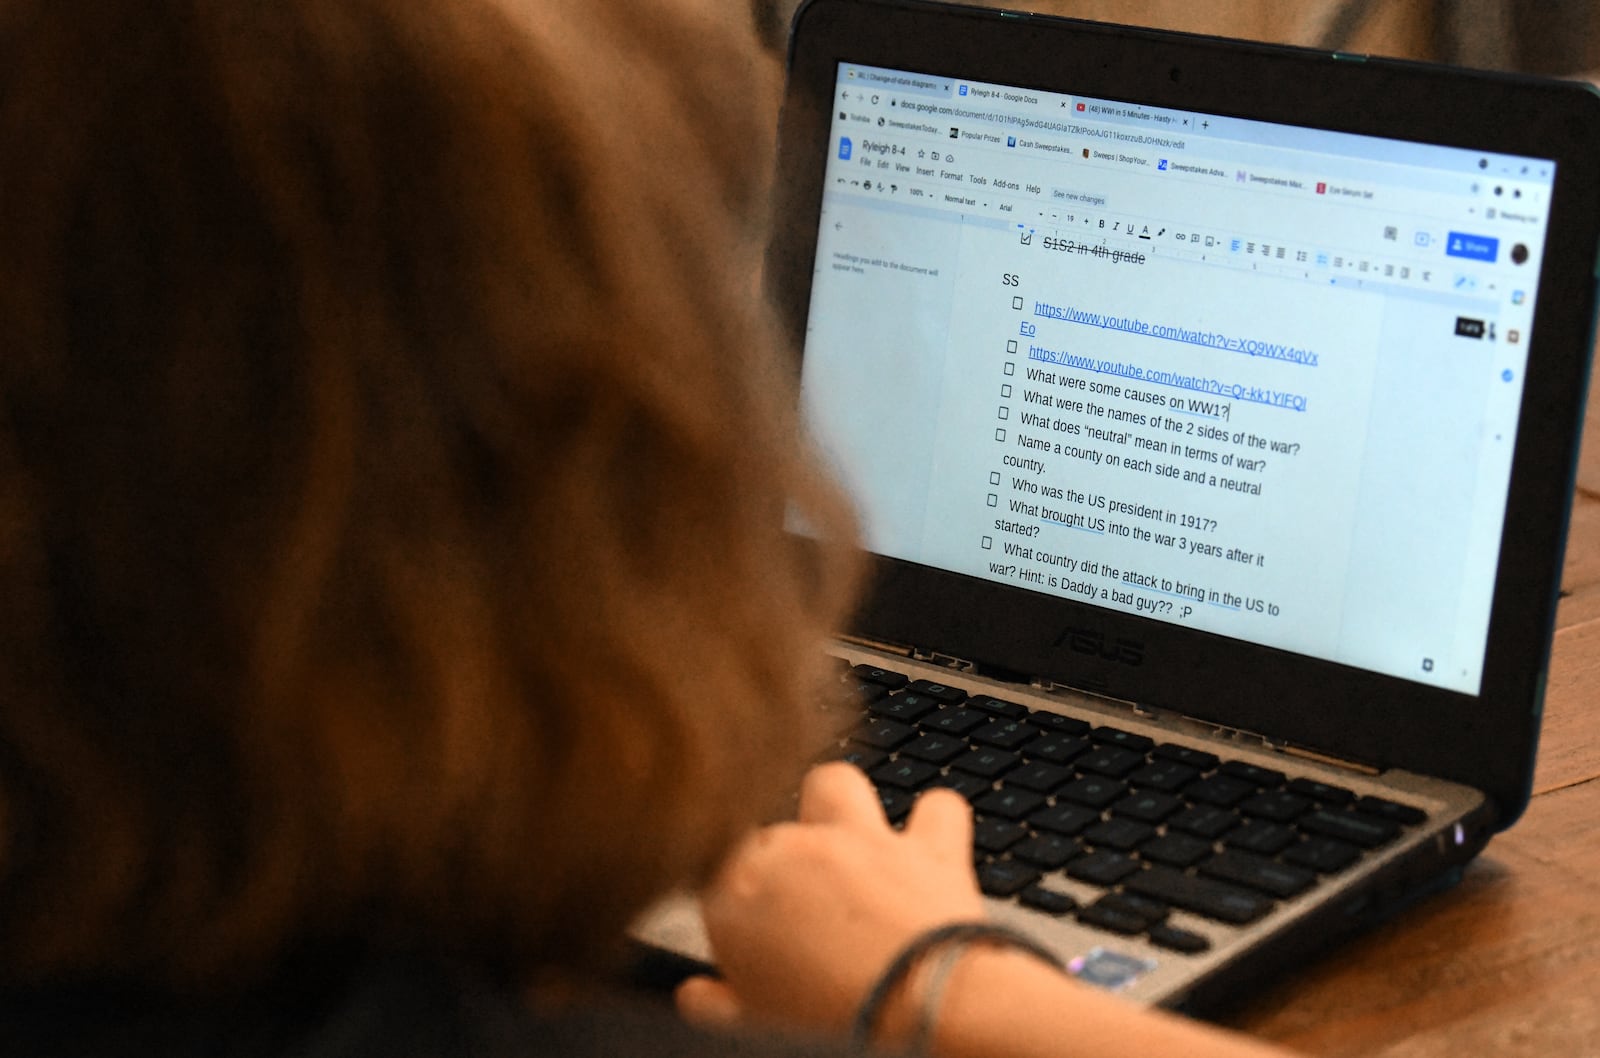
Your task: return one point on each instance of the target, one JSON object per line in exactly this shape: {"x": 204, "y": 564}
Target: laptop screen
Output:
{"x": 1253, "y": 379}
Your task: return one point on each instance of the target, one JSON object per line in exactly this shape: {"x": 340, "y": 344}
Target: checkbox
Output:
{"x": 994, "y": 501}
{"x": 999, "y": 435}
{"x": 1011, "y": 346}
{"x": 987, "y": 543}
{"x": 1005, "y": 412}
{"x": 1005, "y": 390}
{"x": 1011, "y": 369}
{"x": 1016, "y": 303}
{"x": 1027, "y": 238}
{"x": 994, "y": 477}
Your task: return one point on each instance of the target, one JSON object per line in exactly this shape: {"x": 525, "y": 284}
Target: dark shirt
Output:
{"x": 395, "y": 1007}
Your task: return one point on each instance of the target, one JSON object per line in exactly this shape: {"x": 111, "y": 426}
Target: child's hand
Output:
{"x": 805, "y": 916}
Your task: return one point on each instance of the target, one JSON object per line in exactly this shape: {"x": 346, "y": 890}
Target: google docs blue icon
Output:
{"x": 844, "y": 148}
{"x": 963, "y": 89}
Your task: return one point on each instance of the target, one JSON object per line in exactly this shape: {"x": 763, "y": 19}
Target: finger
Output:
{"x": 738, "y": 861}
{"x": 840, "y": 793}
{"x": 707, "y": 1001}
{"x": 942, "y": 819}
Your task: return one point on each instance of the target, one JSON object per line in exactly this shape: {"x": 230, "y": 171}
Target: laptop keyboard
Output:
{"x": 1154, "y": 826}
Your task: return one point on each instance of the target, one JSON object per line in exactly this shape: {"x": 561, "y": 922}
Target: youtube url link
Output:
{"x": 1272, "y": 398}
{"x": 1289, "y": 354}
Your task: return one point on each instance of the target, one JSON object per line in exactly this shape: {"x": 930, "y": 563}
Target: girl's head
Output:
{"x": 394, "y": 460}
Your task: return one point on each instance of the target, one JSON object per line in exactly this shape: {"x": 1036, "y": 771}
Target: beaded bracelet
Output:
{"x": 959, "y": 936}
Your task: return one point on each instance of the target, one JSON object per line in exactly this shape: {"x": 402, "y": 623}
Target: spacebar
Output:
{"x": 1203, "y": 896}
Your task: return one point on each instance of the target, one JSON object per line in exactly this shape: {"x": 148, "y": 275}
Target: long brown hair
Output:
{"x": 394, "y": 461}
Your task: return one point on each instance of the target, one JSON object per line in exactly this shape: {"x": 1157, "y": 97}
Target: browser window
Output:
{"x": 1258, "y": 380}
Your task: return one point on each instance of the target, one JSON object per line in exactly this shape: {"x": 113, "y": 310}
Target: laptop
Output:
{"x": 1212, "y": 409}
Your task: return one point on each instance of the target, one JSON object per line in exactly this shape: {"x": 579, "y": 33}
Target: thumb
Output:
{"x": 709, "y": 1002}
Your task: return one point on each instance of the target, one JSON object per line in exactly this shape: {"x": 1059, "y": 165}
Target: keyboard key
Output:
{"x": 1147, "y": 807}
{"x": 1102, "y": 868}
{"x": 1111, "y": 919}
{"x": 1110, "y": 760}
{"x": 883, "y": 734}
{"x": 1045, "y": 720}
{"x": 1039, "y": 777}
{"x": 1047, "y": 851}
{"x": 864, "y": 757}
{"x": 1055, "y": 748}
{"x": 1194, "y": 758}
{"x": 1206, "y": 821}
{"x": 905, "y": 708}
{"x": 1366, "y": 831}
{"x": 1392, "y": 811}
{"x": 1259, "y": 873}
{"x": 1222, "y": 790}
{"x": 1323, "y": 855}
{"x": 986, "y": 761}
{"x": 949, "y": 695}
{"x": 1204, "y": 896}
{"x": 1175, "y": 849}
{"x": 1050, "y": 901}
{"x": 1280, "y": 806}
{"x": 1092, "y": 790}
{"x": 1007, "y": 803}
{"x": 907, "y": 773}
{"x": 935, "y": 749}
{"x": 1262, "y": 778}
{"x": 1321, "y": 792}
{"x": 1257, "y": 836}
{"x": 892, "y": 680}
{"x": 1124, "y": 835}
{"x": 1178, "y": 940}
{"x": 954, "y": 720}
{"x": 1063, "y": 818}
{"x": 996, "y": 835}
{"x": 968, "y": 786}
{"x": 1005, "y": 877}
{"x": 999, "y": 707}
{"x": 896, "y": 803}
{"x": 1164, "y": 775}
{"x": 861, "y": 693}
{"x": 1115, "y": 736}
{"x": 1007, "y": 734}
{"x": 1151, "y": 911}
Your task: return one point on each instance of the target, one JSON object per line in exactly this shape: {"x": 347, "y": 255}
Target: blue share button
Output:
{"x": 1472, "y": 247}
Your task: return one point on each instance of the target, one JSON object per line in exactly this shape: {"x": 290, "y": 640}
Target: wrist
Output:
{"x": 902, "y": 1008}
{"x": 906, "y": 1009}
{"x": 987, "y": 989}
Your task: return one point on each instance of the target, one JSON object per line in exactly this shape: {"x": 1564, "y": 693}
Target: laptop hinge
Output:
{"x": 1252, "y": 738}
{"x": 933, "y": 657}
{"x": 1045, "y": 686}
{"x": 1232, "y": 734}
{"x": 874, "y": 644}
{"x": 1323, "y": 758}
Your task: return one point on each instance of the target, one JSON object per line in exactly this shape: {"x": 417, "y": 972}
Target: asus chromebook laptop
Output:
{"x": 1212, "y": 411}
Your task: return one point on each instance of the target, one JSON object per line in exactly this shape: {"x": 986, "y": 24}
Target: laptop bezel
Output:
{"x": 1486, "y": 741}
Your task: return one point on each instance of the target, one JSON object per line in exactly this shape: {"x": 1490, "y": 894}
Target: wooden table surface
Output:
{"x": 1507, "y": 964}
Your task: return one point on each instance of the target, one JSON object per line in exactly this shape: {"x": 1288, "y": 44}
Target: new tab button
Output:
{"x": 1472, "y": 247}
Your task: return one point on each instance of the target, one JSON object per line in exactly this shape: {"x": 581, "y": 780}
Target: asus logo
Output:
{"x": 1095, "y": 644}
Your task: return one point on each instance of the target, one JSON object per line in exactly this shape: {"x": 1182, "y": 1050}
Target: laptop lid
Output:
{"x": 1235, "y": 381}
